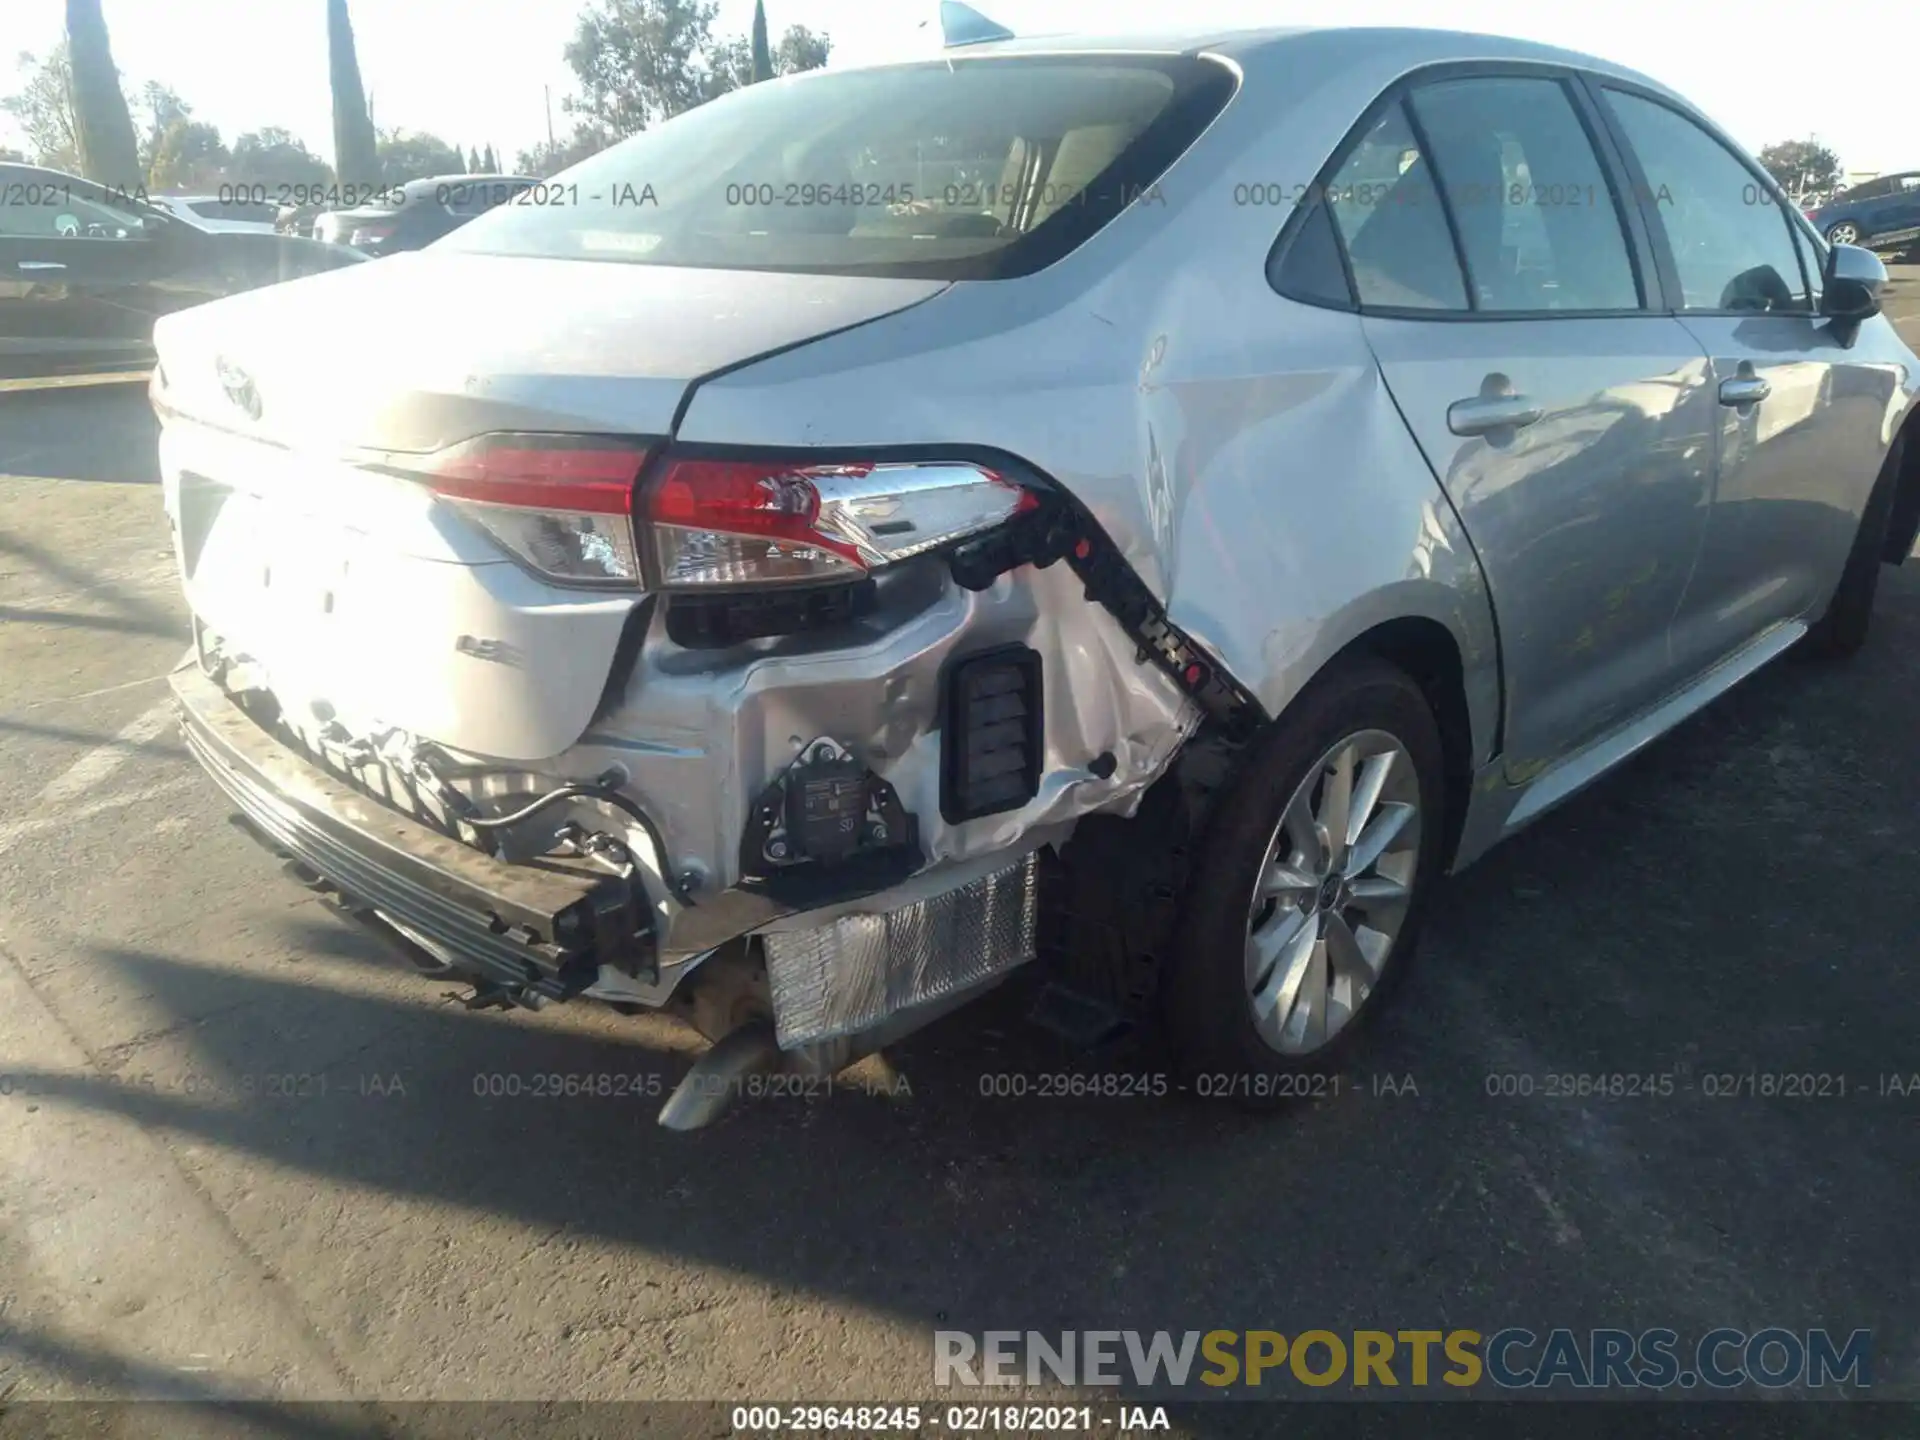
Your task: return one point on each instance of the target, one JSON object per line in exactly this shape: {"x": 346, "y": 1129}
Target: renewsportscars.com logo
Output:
{"x": 1510, "y": 1359}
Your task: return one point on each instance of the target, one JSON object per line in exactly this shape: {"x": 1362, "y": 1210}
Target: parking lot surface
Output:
{"x": 241, "y": 1149}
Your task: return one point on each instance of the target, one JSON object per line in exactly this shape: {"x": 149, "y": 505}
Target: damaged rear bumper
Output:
{"x": 542, "y": 932}
{"x": 533, "y": 930}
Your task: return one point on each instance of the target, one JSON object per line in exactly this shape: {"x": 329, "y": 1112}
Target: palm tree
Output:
{"x": 762, "y": 56}
{"x": 103, "y": 128}
{"x": 356, "y": 154}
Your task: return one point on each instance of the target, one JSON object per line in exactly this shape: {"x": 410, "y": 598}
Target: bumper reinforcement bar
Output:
{"x": 540, "y": 933}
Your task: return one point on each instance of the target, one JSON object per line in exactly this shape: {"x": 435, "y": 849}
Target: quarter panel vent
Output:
{"x": 991, "y": 747}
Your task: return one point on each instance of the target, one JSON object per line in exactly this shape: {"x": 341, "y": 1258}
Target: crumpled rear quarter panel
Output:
{"x": 703, "y": 732}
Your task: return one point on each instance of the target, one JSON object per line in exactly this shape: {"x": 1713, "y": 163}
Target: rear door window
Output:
{"x": 1538, "y": 222}
{"x": 959, "y": 169}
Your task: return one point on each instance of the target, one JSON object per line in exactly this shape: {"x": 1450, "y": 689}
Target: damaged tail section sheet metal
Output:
{"x": 717, "y": 730}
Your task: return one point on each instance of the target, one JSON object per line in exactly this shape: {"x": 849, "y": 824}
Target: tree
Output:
{"x": 800, "y": 49}
{"x": 639, "y": 62}
{"x": 102, "y": 123}
{"x": 273, "y": 157}
{"x": 729, "y": 67}
{"x": 762, "y": 56}
{"x": 490, "y": 165}
{"x": 406, "y": 157}
{"x": 160, "y": 108}
{"x": 189, "y": 156}
{"x": 473, "y": 161}
{"x": 43, "y": 109}
{"x": 356, "y": 150}
{"x": 1803, "y": 166}
{"x": 550, "y": 157}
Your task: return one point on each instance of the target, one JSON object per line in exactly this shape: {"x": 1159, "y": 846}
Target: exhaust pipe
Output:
{"x": 709, "y": 1089}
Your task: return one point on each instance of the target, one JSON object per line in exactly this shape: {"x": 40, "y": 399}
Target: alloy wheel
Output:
{"x": 1333, "y": 892}
{"x": 1845, "y": 233}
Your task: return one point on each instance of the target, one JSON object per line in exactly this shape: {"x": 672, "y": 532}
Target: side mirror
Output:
{"x": 1854, "y": 284}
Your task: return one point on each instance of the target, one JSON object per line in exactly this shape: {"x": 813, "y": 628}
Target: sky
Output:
{"x": 478, "y": 72}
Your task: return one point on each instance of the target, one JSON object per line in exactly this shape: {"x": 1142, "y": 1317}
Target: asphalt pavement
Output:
{"x": 240, "y": 1149}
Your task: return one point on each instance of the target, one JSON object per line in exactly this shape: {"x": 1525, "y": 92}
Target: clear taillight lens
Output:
{"x": 563, "y": 505}
{"x": 761, "y": 522}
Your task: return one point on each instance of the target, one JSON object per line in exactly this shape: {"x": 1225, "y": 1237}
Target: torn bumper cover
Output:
{"x": 542, "y": 932}
{"x": 860, "y": 970}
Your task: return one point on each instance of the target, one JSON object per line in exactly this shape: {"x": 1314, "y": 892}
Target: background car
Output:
{"x": 297, "y": 219}
{"x": 210, "y": 212}
{"x": 85, "y": 271}
{"x": 419, "y": 212}
{"x": 1883, "y": 214}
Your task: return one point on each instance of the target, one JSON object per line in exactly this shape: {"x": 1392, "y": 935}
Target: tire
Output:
{"x": 1209, "y": 1003}
{"x": 1846, "y": 232}
{"x": 1841, "y": 631}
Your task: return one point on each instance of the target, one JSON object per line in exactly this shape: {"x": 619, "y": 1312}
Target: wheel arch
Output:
{"x": 1428, "y": 654}
{"x": 1903, "y": 526}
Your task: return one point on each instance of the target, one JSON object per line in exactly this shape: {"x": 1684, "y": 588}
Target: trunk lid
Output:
{"x": 419, "y": 351}
{"x": 357, "y": 595}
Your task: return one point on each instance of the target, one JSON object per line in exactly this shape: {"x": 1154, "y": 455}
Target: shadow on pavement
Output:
{"x": 1737, "y": 902}
{"x": 104, "y": 433}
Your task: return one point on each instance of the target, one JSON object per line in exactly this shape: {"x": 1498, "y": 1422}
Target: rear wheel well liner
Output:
{"x": 1426, "y": 651}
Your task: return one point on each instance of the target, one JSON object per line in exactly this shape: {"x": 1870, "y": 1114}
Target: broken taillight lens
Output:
{"x": 719, "y": 522}
{"x": 562, "y": 504}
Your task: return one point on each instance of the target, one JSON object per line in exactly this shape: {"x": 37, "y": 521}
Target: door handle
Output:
{"x": 1486, "y": 413}
{"x": 1744, "y": 390}
{"x": 41, "y": 265}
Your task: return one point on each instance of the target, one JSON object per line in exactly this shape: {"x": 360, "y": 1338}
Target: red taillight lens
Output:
{"x": 744, "y": 498}
{"x": 599, "y": 481}
{"x": 759, "y": 522}
{"x": 562, "y": 504}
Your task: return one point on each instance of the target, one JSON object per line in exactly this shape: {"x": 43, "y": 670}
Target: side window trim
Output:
{"x": 1410, "y": 113}
{"x": 1648, "y": 202}
{"x": 1654, "y": 279}
{"x": 1620, "y": 171}
{"x": 1301, "y": 216}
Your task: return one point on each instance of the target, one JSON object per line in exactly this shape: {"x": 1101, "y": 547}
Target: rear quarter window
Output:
{"x": 958, "y": 169}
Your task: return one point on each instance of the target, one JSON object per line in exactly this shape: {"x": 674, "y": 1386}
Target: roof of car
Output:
{"x": 1332, "y": 45}
{"x": 431, "y": 182}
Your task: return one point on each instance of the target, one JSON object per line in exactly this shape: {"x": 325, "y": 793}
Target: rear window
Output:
{"x": 234, "y": 210}
{"x": 477, "y": 195}
{"x": 963, "y": 169}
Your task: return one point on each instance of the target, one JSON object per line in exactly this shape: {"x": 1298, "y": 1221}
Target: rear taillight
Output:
{"x": 562, "y": 504}
{"x": 717, "y": 522}
{"x": 369, "y": 234}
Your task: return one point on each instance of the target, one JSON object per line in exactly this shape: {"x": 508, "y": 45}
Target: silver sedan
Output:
{"x": 1151, "y": 505}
